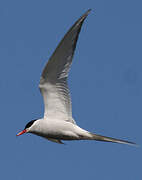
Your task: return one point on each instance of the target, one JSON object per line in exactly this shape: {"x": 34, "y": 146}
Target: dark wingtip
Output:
{"x": 88, "y": 11}
{"x": 82, "y": 18}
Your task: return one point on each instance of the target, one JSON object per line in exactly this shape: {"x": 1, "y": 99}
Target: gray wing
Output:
{"x": 53, "y": 82}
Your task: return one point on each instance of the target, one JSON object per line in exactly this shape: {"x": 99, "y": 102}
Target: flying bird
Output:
{"x": 58, "y": 123}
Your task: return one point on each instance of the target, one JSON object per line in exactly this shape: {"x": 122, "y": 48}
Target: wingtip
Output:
{"x": 84, "y": 16}
{"x": 87, "y": 12}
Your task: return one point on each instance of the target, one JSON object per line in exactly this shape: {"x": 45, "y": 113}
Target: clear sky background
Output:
{"x": 105, "y": 82}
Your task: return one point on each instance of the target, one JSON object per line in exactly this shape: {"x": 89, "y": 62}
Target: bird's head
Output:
{"x": 27, "y": 128}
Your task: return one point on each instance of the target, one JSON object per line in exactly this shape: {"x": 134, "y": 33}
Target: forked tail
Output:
{"x": 109, "y": 139}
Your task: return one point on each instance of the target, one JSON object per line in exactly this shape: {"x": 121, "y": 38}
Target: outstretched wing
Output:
{"x": 53, "y": 82}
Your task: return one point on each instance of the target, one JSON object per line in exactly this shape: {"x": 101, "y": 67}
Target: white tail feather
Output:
{"x": 109, "y": 139}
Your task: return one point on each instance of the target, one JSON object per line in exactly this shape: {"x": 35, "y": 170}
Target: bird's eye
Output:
{"x": 29, "y": 124}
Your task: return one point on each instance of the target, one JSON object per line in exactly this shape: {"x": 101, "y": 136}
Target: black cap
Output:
{"x": 29, "y": 124}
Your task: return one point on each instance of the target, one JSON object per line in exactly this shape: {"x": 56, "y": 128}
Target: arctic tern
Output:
{"x": 58, "y": 123}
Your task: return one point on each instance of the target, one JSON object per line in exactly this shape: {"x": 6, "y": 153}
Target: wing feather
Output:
{"x": 53, "y": 83}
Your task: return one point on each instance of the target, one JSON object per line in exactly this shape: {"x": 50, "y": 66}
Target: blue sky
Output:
{"x": 105, "y": 82}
